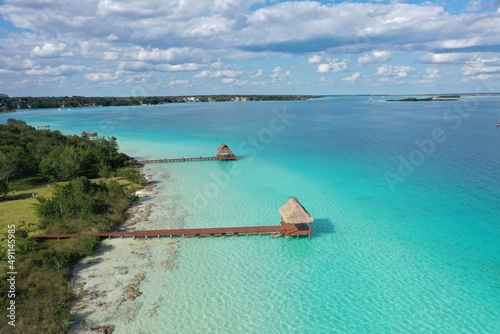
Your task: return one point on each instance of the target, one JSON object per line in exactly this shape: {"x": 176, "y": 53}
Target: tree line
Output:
{"x": 43, "y": 283}
{"x": 27, "y": 152}
{"x": 12, "y": 103}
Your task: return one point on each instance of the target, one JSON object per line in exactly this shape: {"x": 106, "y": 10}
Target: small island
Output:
{"x": 427, "y": 99}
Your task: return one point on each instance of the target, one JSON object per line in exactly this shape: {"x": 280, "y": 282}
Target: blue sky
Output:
{"x": 187, "y": 47}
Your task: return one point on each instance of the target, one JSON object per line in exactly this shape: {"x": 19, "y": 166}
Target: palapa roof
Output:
{"x": 223, "y": 148}
{"x": 294, "y": 213}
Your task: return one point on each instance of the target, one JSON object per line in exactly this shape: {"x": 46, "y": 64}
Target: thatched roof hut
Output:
{"x": 294, "y": 213}
{"x": 225, "y": 153}
{"x": 224, "y": 149}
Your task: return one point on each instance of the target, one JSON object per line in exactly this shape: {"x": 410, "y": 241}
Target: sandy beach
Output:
{"x": 108, "y": 284}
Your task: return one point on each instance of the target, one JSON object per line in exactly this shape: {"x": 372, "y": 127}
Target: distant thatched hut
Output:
{"x": 293, "y": 213}
{"x": 89, "y": 135}
{"x": 225, "y": 153}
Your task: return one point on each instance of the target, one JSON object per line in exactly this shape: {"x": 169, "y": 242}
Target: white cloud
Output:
{"x": 353, "y": 78}
{"x": 394, "y": 71}
{"x": 225, "y": 73}
{"x": 56, "y": 71}
{"x": 447, "y": 58}
{"x": 145, "y": 36}
{"x": 171, "y": 55}
{"x": 432, "y": 73}
{"x": 315, "y": 59}
{"x": 482, "y": 69}
{"x": 375, "y": 57}
{"x": 228, "y": 80}
{"x": 48, "y": 50}
{"x": 178, "y": 82}
{"x": 203, "y": 74}
{"x": 333, "y": 65}
{"x": 219, "y": 74}
{"x": 100, "y": 76}
{"x": 144, "y": 66}
{"x": 279, "y": 74}
{"x": 258, "y": 74}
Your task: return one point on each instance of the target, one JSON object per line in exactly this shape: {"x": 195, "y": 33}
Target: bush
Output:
{"x": 4, "y": 188}
{"x": 132, "y": 174}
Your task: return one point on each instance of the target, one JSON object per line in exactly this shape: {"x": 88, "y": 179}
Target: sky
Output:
{"x": 192, "y": 47}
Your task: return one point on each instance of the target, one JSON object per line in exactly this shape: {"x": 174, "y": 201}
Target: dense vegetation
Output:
{"x": 27, "y": 152}
{"x": 43, "y": 289}
{"x": 12, "y": 103}
{"x": 427, "y": 99}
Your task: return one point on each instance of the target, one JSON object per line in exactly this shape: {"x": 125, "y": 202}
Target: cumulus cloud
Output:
{"x": 258, "y": 74}
{"x": 447, "y": 58}
{"x": 352, "y": 78}
{"x": 394, "y": 71}
{"x": 375, "y": 57}
{"x": 333, "y": 65}
{"x": 48, "y": 50}
{"x": 432, "y": 73}
{"x": 315, "y": 59}
{"x": 100, "y": 76}
{"x": 279, "y": 74}
{"x": 178, "y": 82}
{"x": 170, "y": 36}
{"x": 56, "y": 71}
{"x": 482, "y": 68}
{"x": 223, "y": 73}
{"x": 203, "y": 74}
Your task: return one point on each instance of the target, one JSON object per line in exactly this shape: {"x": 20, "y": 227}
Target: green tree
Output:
{"x": 105, "y": 170}
{"x": 4, "y": 188}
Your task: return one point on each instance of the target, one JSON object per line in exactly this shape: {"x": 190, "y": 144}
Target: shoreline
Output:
{"x": 107, "y": 284}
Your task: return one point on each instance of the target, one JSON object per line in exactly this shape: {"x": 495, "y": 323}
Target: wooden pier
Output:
{"x": 224, "y": 153}
{"x": 148, "y": 161}
{"x": 287, "y": 230}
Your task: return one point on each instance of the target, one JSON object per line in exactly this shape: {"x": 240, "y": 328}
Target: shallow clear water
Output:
{"x": 404, "y": 195}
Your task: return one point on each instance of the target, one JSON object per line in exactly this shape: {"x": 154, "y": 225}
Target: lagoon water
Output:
{"x": 405, "y": 198}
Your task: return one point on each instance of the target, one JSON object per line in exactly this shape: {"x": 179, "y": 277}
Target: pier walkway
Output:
{"x": 283, "y": 229}
{"x": 147, "y": 161}
{"x": 220, "y": 158}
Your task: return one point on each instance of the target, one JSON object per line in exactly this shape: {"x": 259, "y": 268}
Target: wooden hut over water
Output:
{"x": 295, "y": 219}
{"x": 225, "y": 153}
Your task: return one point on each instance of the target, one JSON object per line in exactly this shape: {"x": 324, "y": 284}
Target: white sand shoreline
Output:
{"x": 108, "y": 284}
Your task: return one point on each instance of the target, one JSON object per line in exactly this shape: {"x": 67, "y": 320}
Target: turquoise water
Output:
{"x": 404, "y": 195}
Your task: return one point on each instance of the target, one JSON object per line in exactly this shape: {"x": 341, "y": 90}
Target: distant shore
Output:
{"x": 427, "y": 99}
{"x": 12, "y": 103}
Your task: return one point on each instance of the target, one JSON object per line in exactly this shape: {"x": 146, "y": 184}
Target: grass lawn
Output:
{"x": 13, "y": 211}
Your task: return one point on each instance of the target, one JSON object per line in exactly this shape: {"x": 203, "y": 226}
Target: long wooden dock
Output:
{"x": 220, "y": 158}
{"x": 283, "y": 229}
{"x": 147, "y": 161}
